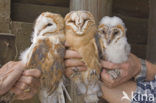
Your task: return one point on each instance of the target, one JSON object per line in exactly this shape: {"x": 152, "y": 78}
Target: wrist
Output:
{"x": 137, "y": 65}
{"x": 151, "y": 71}
{"x": 143, "y": 71}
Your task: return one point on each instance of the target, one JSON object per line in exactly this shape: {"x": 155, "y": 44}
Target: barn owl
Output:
{"x": 80, "y": 32}
{"x": 113, "y": 40}
{"x": 47, "y": 54}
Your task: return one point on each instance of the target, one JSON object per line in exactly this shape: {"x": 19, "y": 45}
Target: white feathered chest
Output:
{"x": 118, "y": 52}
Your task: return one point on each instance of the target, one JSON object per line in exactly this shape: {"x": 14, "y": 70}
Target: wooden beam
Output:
{"x": 133, "y": 8}
{"x": 23, "y": 32}
{"x": 151, "y": 46}
{"x": 29, "y": 12}
{"x": 63, "y": 3}
{"x": 7, "y": 51}
{"x": 4, "y": 15}
{"x": 98, "y": 8}
{"x": 139, "y": 50}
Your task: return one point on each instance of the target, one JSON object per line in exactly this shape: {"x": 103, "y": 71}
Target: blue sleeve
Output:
{"x": 145, "y": 91}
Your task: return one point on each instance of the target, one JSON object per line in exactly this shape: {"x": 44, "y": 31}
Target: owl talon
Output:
{"x": 114, "y": 73}
{"x": 75, "y": 72}
{"x": 93, "y": 72}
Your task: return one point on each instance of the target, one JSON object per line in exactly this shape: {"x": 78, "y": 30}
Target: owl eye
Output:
{"x": 71, "y": 21}
{"x": 49, "y": 24}
{"x": 103, "y": 32}
{"x": 85, "y": 20}
{"x": 116, "y": 32}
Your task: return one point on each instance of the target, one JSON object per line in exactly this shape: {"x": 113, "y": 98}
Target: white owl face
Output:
{"x": 111, "y": 29}
{"x": 79, "y": 21}
{"x": 48, "y": 23}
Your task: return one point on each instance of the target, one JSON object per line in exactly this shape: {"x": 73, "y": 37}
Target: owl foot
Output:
{"x": 93, "y": 72}
{"x": 114, "y": 73}
{"x": 93, "y": 75}
{"x": 75, "y": 72}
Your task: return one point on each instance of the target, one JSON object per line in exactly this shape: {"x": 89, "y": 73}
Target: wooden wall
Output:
{"x": 28, "y": 10}
{"x": 151, "y": 44}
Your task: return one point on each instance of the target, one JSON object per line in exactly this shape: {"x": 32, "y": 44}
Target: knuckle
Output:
{"x": 29, "y": 80}
{"x": 18, "y": 92}
{"x": 35, "y": 91}
{"x": 67, "y": 62}
{"x": 125, "y": 74}
{"x": 112, "y": 82}
{"x": 127, "y": 65}
{"x": 23, "y": 86}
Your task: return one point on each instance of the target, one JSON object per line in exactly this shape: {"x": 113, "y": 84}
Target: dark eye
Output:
{"x": 103, "y": 32}
{"x": 72, "y": 21}
{"x": 49, "y": 24}
{"x": 85, "y": 20}
{"x": 116, "y": 32}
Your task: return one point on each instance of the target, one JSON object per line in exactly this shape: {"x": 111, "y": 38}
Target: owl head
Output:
{"x": 48, "y": 24}
{"x": 111, "y": 29}
{"x": 79, "y": 21}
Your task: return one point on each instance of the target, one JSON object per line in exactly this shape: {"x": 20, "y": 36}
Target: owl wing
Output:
{"x": 48, "y": 57}
{"x": 100, "y": 46}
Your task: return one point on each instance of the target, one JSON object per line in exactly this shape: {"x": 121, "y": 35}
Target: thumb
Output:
{"x": 109, "y": 65}
{"x": 14, "y": 74}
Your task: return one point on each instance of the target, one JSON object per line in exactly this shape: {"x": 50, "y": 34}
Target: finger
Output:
{"x": 82, "y": 68}
{"x": 106, "y": 77}
{"x": 27, "y": 79}
{"x": 66, "y": 44}
{"x": 69, "y": 71}
{"x": 72, "y": 54}
{"x": 16, "y": 91}
{"x": 21, "y": 85}
{"x": 21, "y": 95}
{"x": 73, "y": 63}
{"x": 109, "y": 65}
{"x": 32, "y": 72}
{"x": 15, "y": 74}
{"x": 8, "y": 64}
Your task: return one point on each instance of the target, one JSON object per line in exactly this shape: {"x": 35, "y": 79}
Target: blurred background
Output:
{"x": 17, "y": 18}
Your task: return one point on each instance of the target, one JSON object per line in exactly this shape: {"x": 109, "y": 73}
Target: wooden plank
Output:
{"x": 4, "y": 15}
{"x": 134, "y": 8}
{"x": 64, "y": 3}
{"x": 98, "y": 8}
{"x": 139, "y": 50}
{"x": 29, "y": 12}
{"x": 137, "y": 29}
{"x": 8, "y": 51}
{"x": 23, "y": 33}
{"x": 151, "y": 46}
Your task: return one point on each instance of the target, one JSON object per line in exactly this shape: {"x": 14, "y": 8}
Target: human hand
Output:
{"x": 128, "y": 70}
{"x": 28, "y": 84}
{"x": 9, "y": 74}
{"x": 72, "y": 60}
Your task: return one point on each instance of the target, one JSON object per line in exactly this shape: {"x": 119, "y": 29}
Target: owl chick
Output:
{"x": 113, "y": 40}
{"x": 80, "y": 31}
{"x": 47, "y": 54}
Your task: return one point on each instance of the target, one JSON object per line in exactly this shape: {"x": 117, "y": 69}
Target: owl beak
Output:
{"x": 109, "y": 41}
